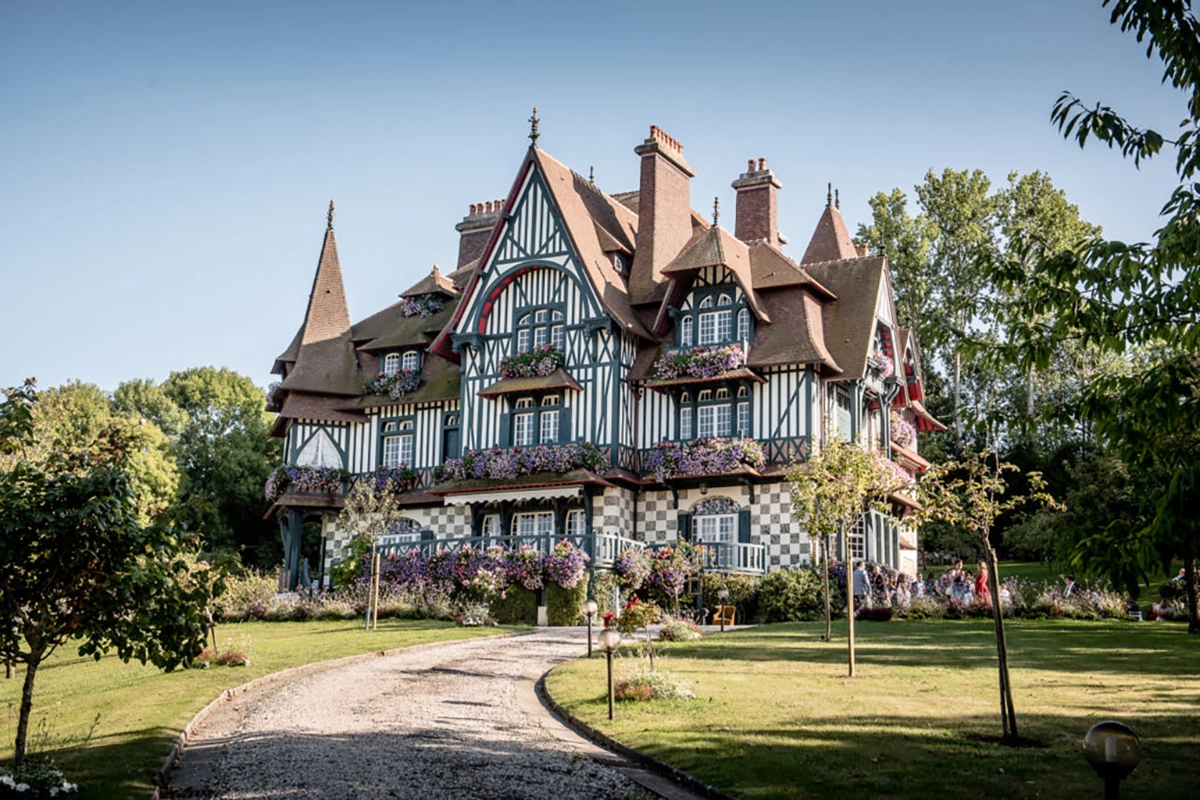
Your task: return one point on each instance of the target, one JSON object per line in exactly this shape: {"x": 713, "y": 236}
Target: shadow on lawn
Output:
{"x": 1111, "y": 647}
{"x": 907, "y": 757}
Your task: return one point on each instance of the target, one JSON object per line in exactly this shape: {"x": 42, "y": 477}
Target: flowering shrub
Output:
{"x": 636, "y": 614}
{"x": 632, "y": 567}
{"x": 653, "y": 686}
{"x": 305, "y": 480}
{"x": 671, "y": 567}
{"x": 703, "y": 457}
{"x": 396, "y": 385}
{"x": 517, "y": 461}
{"x": 678, "y": 630}
{"x": 400, "y": 478}
{"x": 699, "y": 362}
{"x": 478, "y": 573}
{"x": 538, "y": 362}
{"x": 421, "y": 306}
{"x": 883, "y": 363}
{"x": 895, "y": 476}
{"x": 38, "y": 777}
{"x": 526, "y": 567}
{"x": 903, "y": 432}
{"x": 566, "y": 565}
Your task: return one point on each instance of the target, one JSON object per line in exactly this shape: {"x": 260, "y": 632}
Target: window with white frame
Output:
{"x": 576, "y": 524}
{"x": 549, "y": 426}
{"x": 489, "y": 527}
{"x": 556, "y": 337}
{"x": 685, "y": 332}
{"x": 412, "y": 360}
{"x": 716, "y": 528}
{"x": 744, "y": 325}
{"x": 523, "y": 423}
{"x": 685, "y": 417}
{"x": 397, "y": 447}
{"x": 539, "y": 327}
{"x": 743, "y": 412}
{"x": 537, "y": 523}
{"x": 857, "y": 540}
{"x": 523, "y": 340}
{"x": 391, "y": 363}
{"x": 402, "y": 531}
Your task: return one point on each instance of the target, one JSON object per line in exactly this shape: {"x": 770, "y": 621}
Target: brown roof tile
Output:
{"x": 440, "y": 380}
{"x": 433, "y": 283}
{"x": 850, "y": 322}
{"x": 715, "y": 246}
{"x": 390, "y": 328}
{"x": 771, "y": 269}
{"x": 558, "y": 379}
{"x": 798, "y": 336}
{"x": 830, "y": 241}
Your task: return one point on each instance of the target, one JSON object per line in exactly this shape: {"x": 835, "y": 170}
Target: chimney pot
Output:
{"x": 757, "y": 206}
{"x": 762, "y": 164}
{"x": 750, "y": 166}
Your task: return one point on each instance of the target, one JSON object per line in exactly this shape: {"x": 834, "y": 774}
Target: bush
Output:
{"x": 352, "y": 564}
{"x": 744, "y": 593}
{"x": 516, "y": 605}
{"x": 653, "y": 686}
{"x": 678, "y": 630}
{"x": 38, "y": 777}
{"x": 924, "y": 608}
{"x": 797, "y": 595}
{"x": 1172, "y": 590}
{"x": 607, "y": 593}
{"x": 246, "y": 596}
{"x": 564, "y": 607}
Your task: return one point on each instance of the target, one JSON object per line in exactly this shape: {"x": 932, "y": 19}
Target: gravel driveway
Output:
{"x": 459, "y": 720}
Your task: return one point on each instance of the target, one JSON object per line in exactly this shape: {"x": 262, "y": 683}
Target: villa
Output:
{"x": 613, "y": 369}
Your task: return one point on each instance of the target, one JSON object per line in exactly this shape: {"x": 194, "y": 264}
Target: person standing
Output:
{"x": 1069, "y": 591}
{"x": 861, "y": 585}
{"x": 982, "y": 594}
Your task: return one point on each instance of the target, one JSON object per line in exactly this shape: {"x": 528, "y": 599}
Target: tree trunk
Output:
{"x": 1193, "y": 597}
{"x": 849, "y": 596}
{"x": 31, "y": 668}
{"x": 1029, "y": 393}
{"x": 828, "y": 606}
{"x": 10, "y": 671}
{"x": 1008, "y": 713}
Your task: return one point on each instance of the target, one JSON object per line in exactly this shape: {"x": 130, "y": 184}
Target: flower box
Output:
{"x": 699, "y": 362}
{"x": 882, "y": 363}
{"x": 703, "y": 457}
{"x": 517, "y": 461}
{"x": 305, "y": 480}
{"x": 535, "y": 363}
{"x": 396, "y": 385}
{"x": 423, "y": 306}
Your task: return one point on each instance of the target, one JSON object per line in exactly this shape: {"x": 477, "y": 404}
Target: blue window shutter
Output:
{"x": 744, "y": 526}
{"x": 426, "y": 535}
{"x": 685, "y": 526}
{"x": 505, "y": 430}
{"x": 564, "y": 425}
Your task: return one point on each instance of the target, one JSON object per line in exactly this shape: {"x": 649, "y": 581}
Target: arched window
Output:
{"x": 685, "y": 417}
{"x": 715, "y": 521}
{"x": 685, "y": 332}
{"x": 412, "y": 360}
{"x": 706, "y": 302}
{"x": 538, "y": 327}
{"x": 724, "y": 300}
{"x": 391, "y": 363}
{"x": 743, "y": 333}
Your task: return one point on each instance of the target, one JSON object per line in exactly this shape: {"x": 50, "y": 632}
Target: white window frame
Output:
{"x": 391, "y": 451}
{"x": 391, "y": 363}
{"x": 539, "y": 336}
{"x": 724, "y": 326}
{"x": 576, "y": 523}
{"x": 743, "y": 325}
{"x": 685, "y": 334}
{"x": 708, "y": 328}
{"x": 743, "y": 419}
{"x": 523, "y": 340}
{"x": 411, "y": 360}
{"x": 685, "y": 424}
{"x": 715, "y": 528}
{"x": 530, "y": 523}
{"x": 557, "y": 337}
{"x": 548, "y": 424}
{"x": 489, "y": 528}
{"x": 523, "y": 429}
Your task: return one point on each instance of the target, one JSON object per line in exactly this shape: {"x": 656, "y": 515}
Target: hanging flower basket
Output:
{"x": 401, "y": 478}
{"x": 699, "y": 362}
{"x": 518, "y": 461}
{"x": 902, "y": 431}
{"x": 538, "y": 362}
{"x": 395, "y": 385}
{"x": 703, "y": 457}
{"x": 305, "y": 480}
{"x": 882, "y": 363}
{"x": 421, "y": 306}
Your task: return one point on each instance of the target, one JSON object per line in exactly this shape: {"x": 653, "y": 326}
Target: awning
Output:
{"x": 558, "y": 379}
{"x": 497, "y": 495}
{"x": 904, "y": 499}
{"x": 925, "y": 420}
{"x": 909, "y": 459}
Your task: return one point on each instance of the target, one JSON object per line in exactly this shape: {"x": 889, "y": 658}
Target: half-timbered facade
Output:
{"x": 609, "y": 368}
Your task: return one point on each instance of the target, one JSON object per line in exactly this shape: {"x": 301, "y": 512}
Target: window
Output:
{"x": 556, "y": 337}
{"x": 539, "y": 336}
{"x": 412, "y": 360}
{"x": 451, "y": 437}
{"x": 402, "y": 531}
{"x": 716, "y": 326}
{"x": 391, "y": 363}
{"x": 397, "y": 443}
{"x": 539, "y": 327}
{"x": 857, "y": 541}
{"x": 706, "y": 302}
{"x": 744, "y": 325}
{"x": 685, "y": 332}
{"x": 576, "y": 522}
{"x": 523, "y": 340}
{"x": 743, "y": 420}
{"x": 711, "y": 529}
{"x": 685, "y": 423}
{"x": 523, "y": 423}
{"x": 549, "y": 427}
{"x": 489, "y": 527}
{"x": 539, "y": 523}
{"x": 724, "y": 300}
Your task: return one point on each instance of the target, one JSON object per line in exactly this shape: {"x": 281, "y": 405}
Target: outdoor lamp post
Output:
{"x": 609, "y": 641}
{"x": 722, "y": 595}
{"x": 1113, "y": 750}
{"x": 590, "y": 608}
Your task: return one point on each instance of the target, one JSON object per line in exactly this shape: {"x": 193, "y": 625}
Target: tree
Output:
{"x": 832, "y": 492}
{"x": 225, "y": 453}
{"x": 1112, "y": 296}
{"x": 78, "y": 563}
{"x": 971, "y": 493}
{"x": 143, "y": 398}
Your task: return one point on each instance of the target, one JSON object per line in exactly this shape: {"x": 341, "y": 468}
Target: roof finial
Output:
{"x": 591, "y": 174}
{"x": 716, "y": 210}
{"x": 533, "y": 123}
{"x": 837, "y": 200}
{"x": 437, "y": 269}
{"x": 329, "y": 217}
{"x": 829, "y": 194}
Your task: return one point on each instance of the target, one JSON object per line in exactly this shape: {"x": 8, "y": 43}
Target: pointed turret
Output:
{"x": 322, "y": 355}
{"x": 830, "y": 241}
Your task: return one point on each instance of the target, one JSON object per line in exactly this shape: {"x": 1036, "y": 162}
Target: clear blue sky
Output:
{"x": 165, "y": 167}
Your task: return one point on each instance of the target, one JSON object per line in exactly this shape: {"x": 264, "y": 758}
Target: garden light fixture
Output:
{"x": 1113, "y": 750}
{"x": 722, "y": 595}
{"x": 609, "y": 640}
{"x": 590, "y": 608}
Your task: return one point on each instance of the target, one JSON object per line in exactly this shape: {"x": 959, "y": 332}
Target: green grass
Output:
{"x": 141, "y": 710}
{"x": 776, "y": 716}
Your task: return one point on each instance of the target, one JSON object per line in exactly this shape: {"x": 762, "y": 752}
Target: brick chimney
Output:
{"x": 757, "y": 205}
{"x": 476, "y": 229}
{"x": 664, "y": 212}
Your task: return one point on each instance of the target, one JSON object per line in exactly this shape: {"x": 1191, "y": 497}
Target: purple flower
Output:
{"x": 699, "y": 362}
{"x": 538, "y": 362}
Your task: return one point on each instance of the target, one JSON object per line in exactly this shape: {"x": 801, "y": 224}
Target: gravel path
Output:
{"x": 460, "y": 720}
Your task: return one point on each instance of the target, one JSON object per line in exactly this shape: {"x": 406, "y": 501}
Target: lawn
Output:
{"x": 139, "y": 711}
{"x": 776, "y": 716}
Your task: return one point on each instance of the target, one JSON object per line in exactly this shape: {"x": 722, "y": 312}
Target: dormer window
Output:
{"x": 539, "y": 327}
{"x": 538, "y": 422}
{"x": 412, "y": 360}
{"x": 743, "y": 322}
{"x": 391, "y": 363}
{"x": 621, "y": 263}
{"x": 685, "y": 332}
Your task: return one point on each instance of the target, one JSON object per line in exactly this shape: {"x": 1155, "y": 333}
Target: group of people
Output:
{"x": 876, "y": 586}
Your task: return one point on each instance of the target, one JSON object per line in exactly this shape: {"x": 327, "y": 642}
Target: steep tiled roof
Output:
{"x": 850, "y": 322}
{"x": 433, "y": 283}
{"x": 440, "y": 380}
{"x": 462, "y": 276}
{"x": 302, "y": 405}
{"x": 830, "y": 241}
{"x": 714, "y": 247}
{"x": 390, "y": 328}
{"x": 799, "y": 335}
{"x": 325, "y": 359}
{"x": 771, "y": 269}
